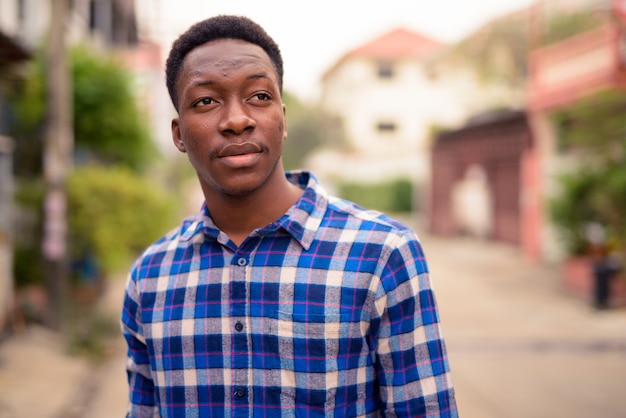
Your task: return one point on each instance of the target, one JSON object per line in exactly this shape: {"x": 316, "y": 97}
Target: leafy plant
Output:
{"x": 394, "y": 196}
{"x": 108, "y": 122}
{"x": 115, "y": 214}
{"x": 595, "y": 130}
{"x": 309, "y": 128}
{"x": 109, "y": 126}
{"x": 90, "y": 332}
{"x": 28, "y": 266}
{"x": 561, "y": 26}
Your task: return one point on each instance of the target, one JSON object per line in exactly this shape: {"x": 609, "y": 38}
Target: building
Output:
{"x": 102, "y": 22}
{"x": 386, "y": 100}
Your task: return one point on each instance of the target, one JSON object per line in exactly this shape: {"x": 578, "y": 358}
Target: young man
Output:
{"x": 275, "y": 299}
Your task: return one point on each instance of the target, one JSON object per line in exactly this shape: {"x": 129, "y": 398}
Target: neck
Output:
{"x": 238, "y": 216}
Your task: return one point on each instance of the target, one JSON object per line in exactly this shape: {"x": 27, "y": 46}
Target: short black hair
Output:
{"x": 219, "y": 27}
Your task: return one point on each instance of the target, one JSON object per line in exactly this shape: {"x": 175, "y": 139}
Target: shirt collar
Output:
{"x": 301, "y": 221}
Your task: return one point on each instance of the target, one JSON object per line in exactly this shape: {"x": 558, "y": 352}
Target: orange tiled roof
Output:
{"x": 397, "y": 43}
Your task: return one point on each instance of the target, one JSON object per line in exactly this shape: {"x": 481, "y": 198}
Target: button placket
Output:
{"x": 241, "y": 344}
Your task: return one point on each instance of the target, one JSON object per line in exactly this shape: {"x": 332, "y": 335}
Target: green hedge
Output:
{"x": 394, "y": 196}
{"x": 591, "y": 195}
{"x": 113, "y": 215}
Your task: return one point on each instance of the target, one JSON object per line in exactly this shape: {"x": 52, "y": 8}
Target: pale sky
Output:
{"x": 313, "y": 35}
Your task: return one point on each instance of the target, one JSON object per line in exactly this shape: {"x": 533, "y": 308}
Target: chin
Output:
{"x": 243, "y": 184}
{"x": 240, "y": 189}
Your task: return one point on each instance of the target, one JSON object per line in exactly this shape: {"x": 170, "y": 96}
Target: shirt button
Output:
{"x": 242, "y": 261}
{"x": 239, "y": 393}
{"x": 239, "y": 326}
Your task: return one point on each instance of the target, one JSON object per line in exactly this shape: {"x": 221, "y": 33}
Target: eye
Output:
{"x": 205, "y": 101}
{"x": 263, "y": 97}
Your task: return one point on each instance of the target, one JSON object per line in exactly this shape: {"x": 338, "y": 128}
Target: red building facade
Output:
{"x": 501, "y": 146}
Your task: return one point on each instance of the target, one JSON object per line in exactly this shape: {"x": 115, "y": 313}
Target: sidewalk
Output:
{"x": 40, "y": 379}
{"x": 519, "y": 346}
{"x": 37, "y": 378}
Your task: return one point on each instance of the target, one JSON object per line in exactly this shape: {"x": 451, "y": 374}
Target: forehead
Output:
{"x": 225, "y": 55}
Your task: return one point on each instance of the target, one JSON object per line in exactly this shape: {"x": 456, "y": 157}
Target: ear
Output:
{"x": 284, "y": 122}
{"x": 178, "y": 141}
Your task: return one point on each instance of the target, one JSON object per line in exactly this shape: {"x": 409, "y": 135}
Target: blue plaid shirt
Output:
{"x": 327, "y": 312}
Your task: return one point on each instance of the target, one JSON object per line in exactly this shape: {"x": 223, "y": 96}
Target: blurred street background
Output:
{"x": 495, "y": 127}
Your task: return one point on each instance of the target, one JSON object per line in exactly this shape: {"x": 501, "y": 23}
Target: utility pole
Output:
{"x": 57, "y": 163}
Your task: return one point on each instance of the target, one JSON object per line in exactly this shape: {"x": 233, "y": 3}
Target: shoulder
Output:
{"x": 368, "y": 231}
{"x": 384, "y": 243}
{"x": 173, "y": 241}
{"x": 349, "y": 215}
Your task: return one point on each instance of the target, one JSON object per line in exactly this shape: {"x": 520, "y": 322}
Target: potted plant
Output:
{"x": 590, "y": 210}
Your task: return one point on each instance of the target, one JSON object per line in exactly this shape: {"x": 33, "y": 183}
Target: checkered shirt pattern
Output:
{"x": 327, "y": 312}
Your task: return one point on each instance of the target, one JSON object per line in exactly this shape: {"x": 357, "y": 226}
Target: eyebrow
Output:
{"x": 203, "y": 83}
{"x": 256, "y": 76}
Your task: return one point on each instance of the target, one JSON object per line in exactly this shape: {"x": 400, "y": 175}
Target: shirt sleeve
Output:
{"x": 141, "y": 401}
{"x": 412, "y": 363}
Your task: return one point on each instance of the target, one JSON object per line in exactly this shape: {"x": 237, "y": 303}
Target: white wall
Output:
{"x": 414, "y": 99}
{"x": 33, "y": 27}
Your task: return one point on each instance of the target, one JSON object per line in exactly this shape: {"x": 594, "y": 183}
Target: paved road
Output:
{"x": 519, "y": 346}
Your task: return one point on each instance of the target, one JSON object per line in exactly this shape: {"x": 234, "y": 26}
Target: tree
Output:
{"x": 498, "y": 52}
{"x": 115, "y": 215}
{"x": 113, "y": 139}
{"x": 595, "y": 130}
{"x": 308, "y": 129}
{"x": 108, "y": 124}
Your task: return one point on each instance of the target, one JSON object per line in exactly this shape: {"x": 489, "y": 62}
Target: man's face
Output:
{"x": 231, "y": 120}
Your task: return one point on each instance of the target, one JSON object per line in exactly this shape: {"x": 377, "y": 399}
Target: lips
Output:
{"x": 240, "y": 156}
{"x": 234, "y": 150}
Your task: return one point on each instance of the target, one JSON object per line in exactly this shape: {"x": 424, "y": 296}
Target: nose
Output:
{"x": 236, "y": 118}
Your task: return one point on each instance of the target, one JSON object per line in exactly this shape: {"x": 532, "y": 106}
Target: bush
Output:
{"x": 591, "y": 196}
{"x": 27, "y": 265}
{"x": 595, "y": 130}
{"x": 395, "y": 196}
{"x": 310, "y": 128}
{"x": 108, "y": 124}
{"x": 572, "y": 209}
{"x": 115, "y": 214}
{"x": 28, "y": 268}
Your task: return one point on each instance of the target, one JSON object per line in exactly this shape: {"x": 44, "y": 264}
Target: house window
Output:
{"x": 93, "y": 10}
{"x": 21, "y": 12}
{"x": 386, "y": 127}
{"x": 101, "y": 19}
{"x": 385, "y": 69}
